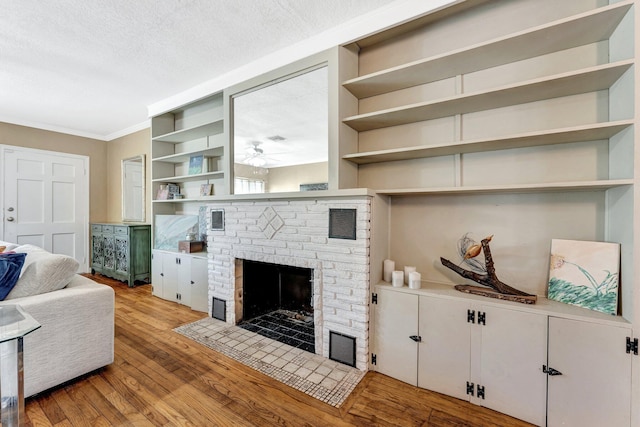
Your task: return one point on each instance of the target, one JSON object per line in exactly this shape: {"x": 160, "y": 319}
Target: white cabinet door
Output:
{"x": 396, "y": 319}
{"x": 444, "y": 352}
{"x": 503, "y": 356}
{"x": 157, "y": 276}
{"x": 170, "y": 278}
{"x": 595, "y": 386}
{"x": 200, "y": 286}
{"x": 184, "y": 279}
{"x": 513, "y": 349}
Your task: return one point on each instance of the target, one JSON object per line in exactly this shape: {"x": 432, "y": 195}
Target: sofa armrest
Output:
{"x": 76, "y": 337}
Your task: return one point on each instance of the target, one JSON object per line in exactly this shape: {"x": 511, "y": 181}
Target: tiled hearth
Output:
{"x": 296, "y": 233}
{"x": 328, "y": 381}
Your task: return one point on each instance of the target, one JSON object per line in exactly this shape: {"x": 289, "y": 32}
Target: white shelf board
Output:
{"x": 572, "y": 83}
{"x": 511, "y": 188}
{"x": 184, "y": 157}
{"x": 542, "y": 306}
{"x": 594, "y": 132}
{"x": 195, "y": 177}
{"x": 183, "y": 135}
{"x": 578, "y": 30}
{"x": 191, "y": 200}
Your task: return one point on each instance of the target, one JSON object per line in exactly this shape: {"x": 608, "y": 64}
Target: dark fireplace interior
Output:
{"x": 278, "y": 303}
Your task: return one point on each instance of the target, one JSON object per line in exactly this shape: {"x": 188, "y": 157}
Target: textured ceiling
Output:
{"x": 91, "y": 67}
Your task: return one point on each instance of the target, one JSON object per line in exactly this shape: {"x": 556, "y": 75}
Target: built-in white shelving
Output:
{"x": 593, "y": 132}
{"x": 189, "y": 134}
{"x": 589, "y": 27}
{"x": 514, "y": 188}
{"x": 571, "y": 83}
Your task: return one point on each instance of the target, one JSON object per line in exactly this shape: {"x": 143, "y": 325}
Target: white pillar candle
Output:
{"x": 414, "y": 280}
{"x": 389, "y": 266}
{"x": 397, "y": 278}
{"x": 408, "y": 269}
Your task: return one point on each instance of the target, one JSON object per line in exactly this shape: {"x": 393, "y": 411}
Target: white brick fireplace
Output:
{"x": 295, "y": 233}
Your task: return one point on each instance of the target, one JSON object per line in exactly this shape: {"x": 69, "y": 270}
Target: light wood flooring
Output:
{"x": 160, "y": 378}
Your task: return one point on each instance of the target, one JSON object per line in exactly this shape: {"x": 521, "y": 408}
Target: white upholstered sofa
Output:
{"x": 77, "y": 332}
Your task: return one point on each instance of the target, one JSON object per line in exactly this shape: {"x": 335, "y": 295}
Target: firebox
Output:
{"x": 277, "y": 302}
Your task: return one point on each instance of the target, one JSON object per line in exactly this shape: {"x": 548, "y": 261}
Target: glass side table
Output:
{"x": 15, "y": 323}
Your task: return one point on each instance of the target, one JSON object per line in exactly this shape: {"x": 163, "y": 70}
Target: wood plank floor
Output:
{"x": 160, "y": 378}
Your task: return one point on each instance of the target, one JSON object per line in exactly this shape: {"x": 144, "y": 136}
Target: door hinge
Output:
{"x": 482, "y": 318}
{"x": 374, "y": 298}
{"x": 632, "y": 345}
{"x": 374, "y": 359}
{"x": 470, "y": 388}
{"x": 471, "y": 316}
{"x": 480, "y": 392}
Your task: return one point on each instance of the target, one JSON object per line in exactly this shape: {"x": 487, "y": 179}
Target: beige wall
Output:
{"x": 121, "y": 148}
{"x": 96, "y": 150}
{"x": 289, "y": 178}
{"x": 105, "y": 161}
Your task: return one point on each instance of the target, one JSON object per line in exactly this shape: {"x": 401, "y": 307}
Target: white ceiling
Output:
{"x": 92, "y": 67}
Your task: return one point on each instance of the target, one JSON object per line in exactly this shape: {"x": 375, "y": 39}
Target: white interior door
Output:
{"x": 46, "y": 201}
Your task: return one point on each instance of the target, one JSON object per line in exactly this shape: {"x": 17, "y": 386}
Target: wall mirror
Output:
{"x": 280, "y": 134}
{"x": 133, "y": 189}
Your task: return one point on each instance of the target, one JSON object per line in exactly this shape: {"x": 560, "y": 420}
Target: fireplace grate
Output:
{"x": 293, "y": 328}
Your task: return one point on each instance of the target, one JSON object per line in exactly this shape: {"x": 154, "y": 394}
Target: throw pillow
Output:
{"x": 8, "y": 246}
{"x": 43, "y": 272}
{"x": 2, "y": 248}
{"x": 10, "y": 268}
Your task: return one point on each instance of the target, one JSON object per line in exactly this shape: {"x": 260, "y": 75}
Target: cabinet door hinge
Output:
{"x": 632, "y": 345}
{"x": 374, "y": 359}
{"x": 471, "y": 316}
{"x": 470, "y": 388}
{"x": 480, "y": 392}
{"x": 374, "y": 298}
{"x": 482, "y": 318}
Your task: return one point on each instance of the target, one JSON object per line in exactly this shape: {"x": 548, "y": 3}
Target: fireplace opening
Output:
{"x": 277, "y": 302}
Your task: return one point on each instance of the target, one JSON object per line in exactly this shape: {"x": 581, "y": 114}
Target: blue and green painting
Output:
{"x": 585, "y": 274}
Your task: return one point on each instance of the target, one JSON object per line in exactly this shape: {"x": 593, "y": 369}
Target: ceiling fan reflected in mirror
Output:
{"x": 255, "y": 155}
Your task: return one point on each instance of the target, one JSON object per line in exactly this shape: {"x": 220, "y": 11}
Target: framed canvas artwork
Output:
{"x": 195, "y": 164}
{"x": 585, "y": 274}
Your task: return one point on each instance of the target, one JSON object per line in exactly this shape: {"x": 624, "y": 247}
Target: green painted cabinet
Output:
{"x": 121, "y": 251}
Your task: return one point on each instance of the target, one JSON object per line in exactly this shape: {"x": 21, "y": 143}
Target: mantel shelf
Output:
{"x": 585, "y": 28}
{"x": 550, "y": 187}
{"x": 183, "y": 135}
{"x": 194, "y": 177}
{"x": 565, "y": 84}
{"x": 594, "y": 132}
{"x": 184, "y": 157}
